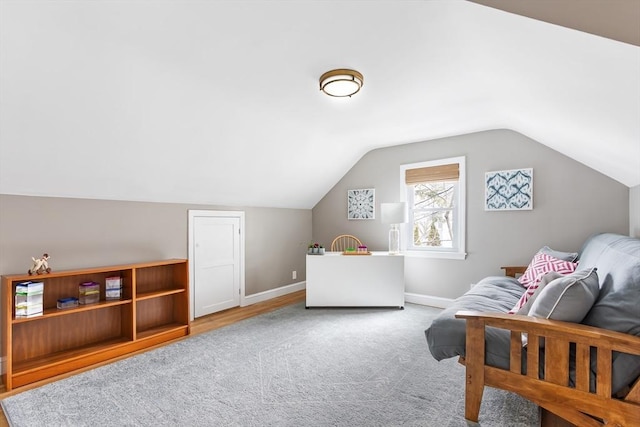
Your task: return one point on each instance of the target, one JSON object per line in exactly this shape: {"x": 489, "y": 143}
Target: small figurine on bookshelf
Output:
{"x": 40, "y": 265}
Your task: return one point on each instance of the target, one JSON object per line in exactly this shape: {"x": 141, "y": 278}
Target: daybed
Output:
{"x": 573, "y": 344}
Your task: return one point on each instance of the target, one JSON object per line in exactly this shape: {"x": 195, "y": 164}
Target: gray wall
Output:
{"x": 634, "y": 211}
{"x": 80, "y": 233}
{"x": 571, "y": 201}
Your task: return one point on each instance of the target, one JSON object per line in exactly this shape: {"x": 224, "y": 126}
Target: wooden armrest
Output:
{"x": 581, "y": 404}
{"x": 576, "y": 332}
{"x": 514, "y": 269}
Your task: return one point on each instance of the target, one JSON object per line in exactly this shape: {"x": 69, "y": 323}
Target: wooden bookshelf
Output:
{"x": 154, "y": 308}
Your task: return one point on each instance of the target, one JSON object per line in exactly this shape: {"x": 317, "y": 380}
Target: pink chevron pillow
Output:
{"x": 540, "y": 265}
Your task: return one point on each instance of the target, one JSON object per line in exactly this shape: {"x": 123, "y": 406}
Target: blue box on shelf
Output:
{"x": 70, "y": 302}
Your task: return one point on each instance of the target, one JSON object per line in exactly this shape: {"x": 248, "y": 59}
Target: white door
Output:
{"x": 215, "y": 254}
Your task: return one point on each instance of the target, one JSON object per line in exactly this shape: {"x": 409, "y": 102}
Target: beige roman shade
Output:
{"x": 434, "y": 173}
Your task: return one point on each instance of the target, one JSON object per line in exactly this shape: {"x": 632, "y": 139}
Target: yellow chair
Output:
{"x": 344, "y": 241}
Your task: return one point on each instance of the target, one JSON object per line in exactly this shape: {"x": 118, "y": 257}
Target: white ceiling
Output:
{"x": 217, "y": 102}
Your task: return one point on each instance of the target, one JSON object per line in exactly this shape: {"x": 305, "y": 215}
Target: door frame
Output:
{"x": 193, "y": 213}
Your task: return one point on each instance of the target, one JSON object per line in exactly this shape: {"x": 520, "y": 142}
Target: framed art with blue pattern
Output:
{"x": 508, "y": 190}
{"x": 361, "y": 204}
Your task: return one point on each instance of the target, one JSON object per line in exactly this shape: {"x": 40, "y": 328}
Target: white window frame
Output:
{"x": 458, "y": 252}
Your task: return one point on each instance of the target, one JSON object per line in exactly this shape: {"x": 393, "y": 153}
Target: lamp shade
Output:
{"x": 341, "y": 82}
{"x": 393, "y": 213}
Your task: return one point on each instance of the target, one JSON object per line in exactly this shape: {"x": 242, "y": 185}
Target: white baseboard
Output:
{"x": 272, "y": 293}
{"x": 438, "y": 302}
{"x": 420, "y": 299}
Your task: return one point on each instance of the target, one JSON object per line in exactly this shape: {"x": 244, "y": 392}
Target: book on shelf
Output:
{"x": 29, "y": 287}
{"x": 89, "y": 293}
{"x": 31, "y": 311}
{"x": 29, "y": 299}
{"x": 113, "y": 287}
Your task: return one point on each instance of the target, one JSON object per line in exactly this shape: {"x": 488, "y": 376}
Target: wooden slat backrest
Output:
{"x": 603, "y": 377}
{"x": 583, "y": 368}
{"x": 533, "y": 356}
{"x": 556, "y": 356}
{"x": 516, "y": 352}
{"x": 344, "y": 241}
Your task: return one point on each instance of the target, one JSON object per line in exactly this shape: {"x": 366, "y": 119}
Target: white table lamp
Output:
{"x": 394, "y": 214}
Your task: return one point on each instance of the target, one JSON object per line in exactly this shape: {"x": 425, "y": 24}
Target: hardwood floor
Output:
{"x": 198, "y": 326}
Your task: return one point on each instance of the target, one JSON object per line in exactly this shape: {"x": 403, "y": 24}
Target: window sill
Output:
{"x": 435, "y": 254}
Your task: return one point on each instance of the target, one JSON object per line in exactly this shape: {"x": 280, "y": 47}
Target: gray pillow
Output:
{"x": 565, "y": 256}
{"x": 546, "y": 279}
{"x": 568, "y": 298}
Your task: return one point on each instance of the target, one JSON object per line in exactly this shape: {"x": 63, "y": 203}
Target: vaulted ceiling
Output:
{"x": 217, "y": 102}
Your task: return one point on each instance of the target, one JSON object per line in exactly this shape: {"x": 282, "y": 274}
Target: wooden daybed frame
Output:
{"x": 578, "y": 404}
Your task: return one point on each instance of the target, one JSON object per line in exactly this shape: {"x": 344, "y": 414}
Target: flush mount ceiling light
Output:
{"x": 341, "y": 82}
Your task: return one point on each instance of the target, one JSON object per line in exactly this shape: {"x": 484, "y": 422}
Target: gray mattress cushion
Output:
{"x": 618, "y": 305}
{"x": 447, "y": 335}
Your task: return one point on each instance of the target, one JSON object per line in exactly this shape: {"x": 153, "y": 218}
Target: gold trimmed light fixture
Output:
{"x": 341, "y": 82}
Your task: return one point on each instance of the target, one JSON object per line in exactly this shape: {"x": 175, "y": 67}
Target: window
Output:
{"x": 435, "y": 196}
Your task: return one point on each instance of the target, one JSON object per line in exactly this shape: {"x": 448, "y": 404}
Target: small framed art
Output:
{"x": 508, "y": 190}
{"x": 361, "y": 204}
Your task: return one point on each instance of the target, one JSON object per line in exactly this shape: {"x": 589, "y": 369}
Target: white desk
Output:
{"x": 336, "y": 280}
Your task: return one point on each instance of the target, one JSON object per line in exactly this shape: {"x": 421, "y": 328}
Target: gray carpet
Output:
{"x": 291, "y": 367}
